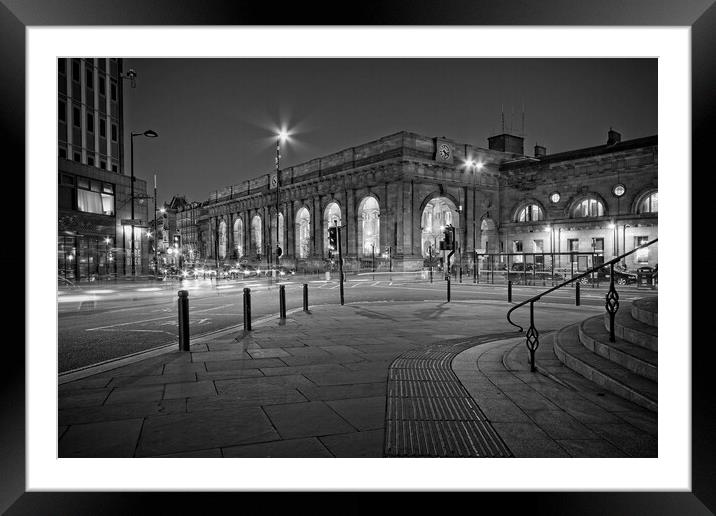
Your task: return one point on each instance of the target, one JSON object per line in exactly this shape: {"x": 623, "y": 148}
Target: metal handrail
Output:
{"x": 611, "y": 303}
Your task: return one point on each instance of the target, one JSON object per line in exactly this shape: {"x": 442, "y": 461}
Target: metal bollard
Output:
{"x": 247, "y": 309}
{"x": 183, "y": 309}
{"x": 576, "y": 294}
{"x": 448, "y": 288}
{"x": 282, "y": 301}
{"x": 305, "y": 297}
{"x": 509, "y": 291}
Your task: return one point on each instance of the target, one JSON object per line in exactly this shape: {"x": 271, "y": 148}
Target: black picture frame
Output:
{"x": 17, "y": 15}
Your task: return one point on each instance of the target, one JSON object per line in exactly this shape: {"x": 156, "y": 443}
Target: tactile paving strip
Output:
{"x": 430, "y": 414}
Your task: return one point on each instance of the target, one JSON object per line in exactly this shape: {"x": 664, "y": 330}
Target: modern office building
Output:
{"x": 394, "y": 196}
{"x": 94, "y": 187}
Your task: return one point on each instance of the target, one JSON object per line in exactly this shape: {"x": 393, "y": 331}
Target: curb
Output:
{"x": 115, "y": 363}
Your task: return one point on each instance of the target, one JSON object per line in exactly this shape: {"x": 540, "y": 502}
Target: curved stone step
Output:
{"x": 632, "y": 330}
{"x": 646, "y": 310}
{"x": 637, "y": 359}
{"x": 604, "y": 372}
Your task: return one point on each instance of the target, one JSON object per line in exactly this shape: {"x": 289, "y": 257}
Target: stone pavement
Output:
{"x": 318, "y": 385}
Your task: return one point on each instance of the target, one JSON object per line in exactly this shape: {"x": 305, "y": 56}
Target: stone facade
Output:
{"x": 481, "y": 192}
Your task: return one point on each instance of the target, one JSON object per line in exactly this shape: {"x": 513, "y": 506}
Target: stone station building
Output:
{"x": 393, "y": 197}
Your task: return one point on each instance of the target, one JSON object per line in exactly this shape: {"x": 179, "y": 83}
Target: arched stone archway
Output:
{"x": 488, "y": 235}
{"x": 257, "y": 242}
{"x": 437, "y": 214}
{"x": 303, "y": 233}
{"x": 239, "y": 237}
{"x": 368, "y": 226}
{"x": 222, "y": 240}
{"x": 331, "y": 217}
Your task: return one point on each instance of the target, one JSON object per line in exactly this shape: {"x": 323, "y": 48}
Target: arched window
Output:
{"x": 369, "y": 225}
{"x": 332, "y": 217}
{"x": 649, "y": 204}
{"x": 303, "y": 233}
{"x": 256, "y": 234}
{"x": 437, "y": 214}
{"x": 281, "y": 230}
{"x": 529, "y": 213}
{"x": 222, "y": 240}
{"x": 589, "y": 207}
{"x": 239, "y": 237}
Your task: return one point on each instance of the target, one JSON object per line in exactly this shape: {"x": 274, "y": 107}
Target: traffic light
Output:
{"x": 177, "y": 240}
{"x": 332, "y": 238}
{"x": 449, "y": 244}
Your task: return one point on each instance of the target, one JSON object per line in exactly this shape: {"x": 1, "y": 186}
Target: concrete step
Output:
{"x": 646, "y": 310}
{"x": 602, "y": 371}
{"x": 637, "y": 359}
{"x": 633, "y": 330}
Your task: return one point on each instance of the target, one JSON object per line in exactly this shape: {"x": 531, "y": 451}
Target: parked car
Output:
{"x": 622, "y": 276}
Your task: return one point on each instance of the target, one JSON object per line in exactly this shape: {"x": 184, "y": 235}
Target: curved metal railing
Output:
{"x": 611, "y": 302}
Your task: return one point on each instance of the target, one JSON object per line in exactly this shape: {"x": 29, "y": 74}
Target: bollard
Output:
{"x": 509, "y": 291}
{"x": 305, "y": 297}
{"x": 282, "y": 301}
{"x": 576, "y": 294}
{"x": 448, "y": 288}
{"x": 183, "y": 309}
{"x": 247, "y": 309}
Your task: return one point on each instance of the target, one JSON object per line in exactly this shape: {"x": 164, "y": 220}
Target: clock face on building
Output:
{"x": 555, "y": 197}
{"x": 444, "y": 151}
{"x": 619, "y": 190}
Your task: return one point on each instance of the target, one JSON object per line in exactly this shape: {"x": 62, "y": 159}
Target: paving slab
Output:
{"x": 202, "y": 430}
{"x": 199, "y": 389}
{"x": 310, "y": 447}
{"x": 312, "y": 418}
{"x": 355, "y": 444}
{"x": 362, "y": 413}
{"x": 101, "y": 439}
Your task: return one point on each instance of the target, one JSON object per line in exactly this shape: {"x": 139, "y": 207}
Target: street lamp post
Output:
{"x": 156, "y": 234}
{"x": 282, "y": 135}
{"x": 149, "y": 134}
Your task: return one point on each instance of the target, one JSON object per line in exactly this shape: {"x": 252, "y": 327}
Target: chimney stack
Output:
{"x": 540, "y": 151}
{"x": 614, "y": 137}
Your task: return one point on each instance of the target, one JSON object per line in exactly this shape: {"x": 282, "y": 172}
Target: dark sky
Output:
{"x": 217, "y": 118}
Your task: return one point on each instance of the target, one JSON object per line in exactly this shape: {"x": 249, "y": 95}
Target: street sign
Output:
{"x": 132, "y": 222}
{"x": 480, "y": 251}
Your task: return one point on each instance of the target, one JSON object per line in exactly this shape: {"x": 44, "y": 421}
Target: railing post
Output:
{"x": 183, "y": 309}
{"x": 611, "y": 303}
{"x": 247, "y": 309}
{"x": 532, "y": 337}
{"x": 576, "y": 294}
{"x": 305, "y": 297}
{"x": 509, "y": 291}
{"x": 282, "y": 301}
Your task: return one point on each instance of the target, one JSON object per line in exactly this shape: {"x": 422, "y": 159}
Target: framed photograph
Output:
{"x": 406, "y": 172}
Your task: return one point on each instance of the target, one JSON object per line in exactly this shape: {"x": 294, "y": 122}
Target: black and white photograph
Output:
{"x": 357, "y": 257}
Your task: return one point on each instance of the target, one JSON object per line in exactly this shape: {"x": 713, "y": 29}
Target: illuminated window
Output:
{"x": 369, "y": 213}
{"x": 239, "y": 237}
{"x": 589, "y": 207}
{"x": 256, "y": 233}
{"x": 95, "y": 196}
{"x": 649, "y": 204}
{"x": 642, "y": 255}
{"x": 303, "y": 233}
{"x": 332, "y": 218}
{"x": 438, "y": 213}
{"x": 281, "y": 231}
{"x": 222, "y": 240}
{"x": 530, "y": 213}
